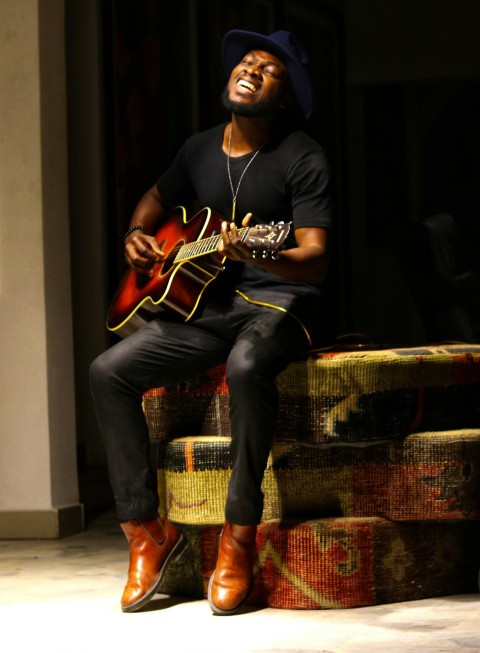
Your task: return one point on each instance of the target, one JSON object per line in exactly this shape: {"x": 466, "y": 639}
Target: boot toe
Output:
{"x": 136, "y": 595}
{"x": 225, "y": 600}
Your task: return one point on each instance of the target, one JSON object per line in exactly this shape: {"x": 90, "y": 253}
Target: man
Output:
{"x": 259, "y": 315}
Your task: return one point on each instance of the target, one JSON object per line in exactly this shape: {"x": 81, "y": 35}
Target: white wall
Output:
{"x": 38, "y": 477}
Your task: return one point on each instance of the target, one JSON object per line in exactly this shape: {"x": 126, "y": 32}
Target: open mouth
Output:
{"x": 247, "y": 85}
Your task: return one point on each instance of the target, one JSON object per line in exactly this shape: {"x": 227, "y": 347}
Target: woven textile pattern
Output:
{"x": 427, "y": 476}
{"x": 361, "y": 396}
{"x": 372, "y": 489}
{"x": 341, "y": 563}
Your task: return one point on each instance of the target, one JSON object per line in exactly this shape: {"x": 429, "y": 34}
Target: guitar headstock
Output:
{"x": 266, "y": 239}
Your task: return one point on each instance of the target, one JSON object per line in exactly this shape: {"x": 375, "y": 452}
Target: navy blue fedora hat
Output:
{"x": 286, "y": 47}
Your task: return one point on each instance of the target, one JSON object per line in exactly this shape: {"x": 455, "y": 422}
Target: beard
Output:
{"x": 248, "y": 110}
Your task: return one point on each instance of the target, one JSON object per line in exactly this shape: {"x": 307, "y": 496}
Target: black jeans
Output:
{"x": 256, "y": 342}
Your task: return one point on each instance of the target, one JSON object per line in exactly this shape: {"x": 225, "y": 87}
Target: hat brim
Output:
{"x": 237, "y": 43}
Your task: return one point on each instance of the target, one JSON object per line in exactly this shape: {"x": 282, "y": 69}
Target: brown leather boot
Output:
{"x": 154, "y": 543}
{"x": 232, "y": 580}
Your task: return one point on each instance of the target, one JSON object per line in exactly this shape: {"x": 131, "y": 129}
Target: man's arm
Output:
{"x": 307, "y": 262}
{"x": 141, "y": 248}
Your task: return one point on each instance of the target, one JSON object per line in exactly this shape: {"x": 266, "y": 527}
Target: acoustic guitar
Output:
{"x": 192, "y": 262}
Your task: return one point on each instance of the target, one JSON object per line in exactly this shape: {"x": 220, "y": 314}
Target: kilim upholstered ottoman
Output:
{"x": 372, "y": 491}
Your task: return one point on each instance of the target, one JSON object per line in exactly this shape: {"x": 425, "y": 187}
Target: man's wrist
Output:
{"x": 132, "y": 229}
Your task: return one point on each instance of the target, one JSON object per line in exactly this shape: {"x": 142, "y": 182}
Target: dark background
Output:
{"x": 397, "y": 89}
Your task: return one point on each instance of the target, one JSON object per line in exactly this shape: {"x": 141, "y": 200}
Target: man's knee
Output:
{"x": 101, "y": 371}
{"x": 247, "y": 376}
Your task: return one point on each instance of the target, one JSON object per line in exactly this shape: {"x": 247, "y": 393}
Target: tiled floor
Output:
{"x": 62, "y": 597}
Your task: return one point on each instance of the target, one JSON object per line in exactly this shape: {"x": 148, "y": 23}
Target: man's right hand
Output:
{"x": 142, "y": 252}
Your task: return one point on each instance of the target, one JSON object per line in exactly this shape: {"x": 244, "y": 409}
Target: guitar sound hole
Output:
{"x": 167, "y": 265}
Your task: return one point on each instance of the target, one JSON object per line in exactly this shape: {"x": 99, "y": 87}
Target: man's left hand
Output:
{"x": 231, "y": 245}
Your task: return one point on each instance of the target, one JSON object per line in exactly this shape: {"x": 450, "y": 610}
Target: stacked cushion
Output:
{"x": 341, "y": 562}
{"x": 372, "y": 485}
{"x": 426, "y": 476}
{"x": 359, "y": 396}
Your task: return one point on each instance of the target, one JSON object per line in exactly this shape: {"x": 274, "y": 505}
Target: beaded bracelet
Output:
{"x": 132, "y": 229}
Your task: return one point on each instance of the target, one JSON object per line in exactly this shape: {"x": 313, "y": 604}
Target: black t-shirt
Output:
{"x": 287, "y": 181}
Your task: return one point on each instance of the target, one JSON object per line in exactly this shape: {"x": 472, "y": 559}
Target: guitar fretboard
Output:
{"x": 203, "y": 246}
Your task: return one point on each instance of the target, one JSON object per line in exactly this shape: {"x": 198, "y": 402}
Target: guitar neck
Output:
{"x": 203, "y": 246}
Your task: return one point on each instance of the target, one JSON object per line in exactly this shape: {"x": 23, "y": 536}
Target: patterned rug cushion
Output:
{"x": 339, "y": 397}
{"x": 341, "y": 563}
{"x": 427, "y": 476}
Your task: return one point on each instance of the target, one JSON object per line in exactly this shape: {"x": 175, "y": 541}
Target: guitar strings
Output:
{"x": 203, "y": 242}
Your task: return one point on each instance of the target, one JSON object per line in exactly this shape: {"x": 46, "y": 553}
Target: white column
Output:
{"x": 38, "y": 475}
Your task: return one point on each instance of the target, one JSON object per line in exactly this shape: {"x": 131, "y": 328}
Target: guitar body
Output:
{"x": 191, "y": 263}
{"x": 176, "y": 288}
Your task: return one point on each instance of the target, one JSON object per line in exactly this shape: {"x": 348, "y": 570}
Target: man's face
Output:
{"x": 258, "y": 85}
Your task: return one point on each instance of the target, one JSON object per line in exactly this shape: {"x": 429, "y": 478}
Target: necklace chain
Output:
{"x": 235, "y": 192}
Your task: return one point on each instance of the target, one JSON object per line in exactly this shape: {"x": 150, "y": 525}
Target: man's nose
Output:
{"x": 252, "y": 69}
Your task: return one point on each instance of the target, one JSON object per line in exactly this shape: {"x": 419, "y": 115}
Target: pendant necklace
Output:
{"x": 235, "y": 192}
